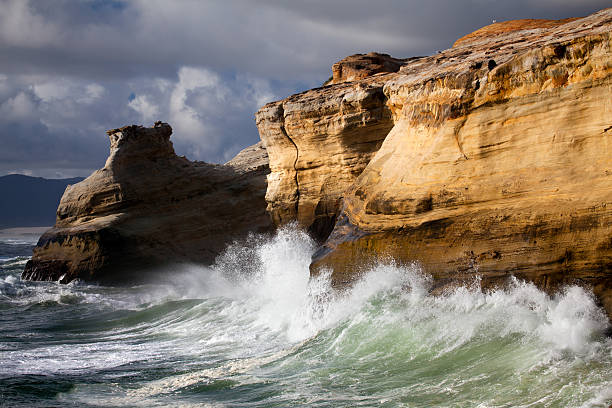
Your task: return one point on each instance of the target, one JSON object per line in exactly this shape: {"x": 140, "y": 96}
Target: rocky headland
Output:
{"x": 149, "y": 207}
{"x": 491, "y": 159}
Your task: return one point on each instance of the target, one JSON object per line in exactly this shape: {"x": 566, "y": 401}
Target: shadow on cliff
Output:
{"x": 148, "y": 208}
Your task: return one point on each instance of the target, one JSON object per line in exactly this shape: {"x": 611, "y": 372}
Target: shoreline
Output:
{"x": 24, "y": 230}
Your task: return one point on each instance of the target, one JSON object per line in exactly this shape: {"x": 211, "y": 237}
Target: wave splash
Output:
{"x": 273, "y": 278}
{"x": 256, "y": 324}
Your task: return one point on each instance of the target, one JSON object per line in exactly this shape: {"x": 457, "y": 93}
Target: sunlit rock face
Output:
{"x": 361, "y": 66}
{"x": 491, "y": 158}
{"x": 319, "y": 141}
{"x": 149, "y": 207}
{"x": 486, "y": 33}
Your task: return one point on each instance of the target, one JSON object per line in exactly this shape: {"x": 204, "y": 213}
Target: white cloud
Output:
{"x": 163, "y": 85}
{"x": 94, "y": 91}
{"x": 258, "y": 91}
{"x": 212, "y": 116}
{"x": 147, "y": 110}
{"x": 5, "y": 87}
{"x": 21, "y": 26}
{"x": 186, "y": 119}
{"x": 21, "y": 106}
{"x": 55, "y": 89}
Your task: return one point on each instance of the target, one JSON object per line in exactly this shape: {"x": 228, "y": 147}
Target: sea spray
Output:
{"x": 255, "y": 330}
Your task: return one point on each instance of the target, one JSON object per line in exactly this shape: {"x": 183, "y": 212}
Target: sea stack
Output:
{"x": 149, "y": 207}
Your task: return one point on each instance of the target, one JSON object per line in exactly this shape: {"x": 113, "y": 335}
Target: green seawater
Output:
{"x": 255, "y": 331}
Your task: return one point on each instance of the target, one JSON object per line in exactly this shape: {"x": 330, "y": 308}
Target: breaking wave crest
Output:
{"x": 254, "y": 329}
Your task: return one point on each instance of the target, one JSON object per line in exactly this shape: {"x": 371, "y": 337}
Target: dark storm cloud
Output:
{"x": 67, "y": 69}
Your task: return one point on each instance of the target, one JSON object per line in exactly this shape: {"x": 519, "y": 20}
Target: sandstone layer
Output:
{"x": 503, "y": 27}
{"x": 491, "y": 159}
{"x": 359, "y": 66}
{"x": 149, "y": 207}
{"x": 318, "y": 142}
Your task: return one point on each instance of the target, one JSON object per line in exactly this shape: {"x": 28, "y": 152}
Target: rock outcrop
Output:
{"x": 148, "y": 207}
{"x": 492, "y": 158}
{"x": 318, "y": 142}
{"x": 488, "y": 32}
{"x": 359, "y": 66}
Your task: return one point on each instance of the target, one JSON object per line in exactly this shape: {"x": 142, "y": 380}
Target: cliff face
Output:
{"x": 318, "y": 142}
{"x": 149, "y": 207}
{"x": 497, "y": 161}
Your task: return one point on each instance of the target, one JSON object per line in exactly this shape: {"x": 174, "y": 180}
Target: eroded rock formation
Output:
{"x": 361, "y": 66}
{"x": 148, "y": 207}
{"x": 497, "y": 161}
{"x": 318, "y": 142}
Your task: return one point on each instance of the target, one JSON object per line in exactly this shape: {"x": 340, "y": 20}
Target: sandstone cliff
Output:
{"x": 492, "y": 158}
{"x": 318, "y": 142}
{"x": 148, "y": 207}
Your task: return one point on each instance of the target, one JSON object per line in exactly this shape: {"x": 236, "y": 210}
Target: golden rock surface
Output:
{"x": 318, "y": 143}
{"x": 503, "y": 27}
{"x": 359, "y": 66}
{"x": 497, "y": 161}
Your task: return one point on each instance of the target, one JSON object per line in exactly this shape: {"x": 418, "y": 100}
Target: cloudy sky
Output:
{"x": 70, "y": 69}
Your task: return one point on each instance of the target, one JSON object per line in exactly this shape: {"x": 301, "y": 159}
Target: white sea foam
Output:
{"x": 602, "y": 399}
{"x": 279, "y": 295}
{"x": 257, "y": 315}
{"x": 12, "y": 261}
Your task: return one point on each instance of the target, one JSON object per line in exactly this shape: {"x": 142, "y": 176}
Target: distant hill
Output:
{"x": 30, "y": 201}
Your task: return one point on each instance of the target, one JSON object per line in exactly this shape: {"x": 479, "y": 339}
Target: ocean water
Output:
{"x": 255, "y": 331}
